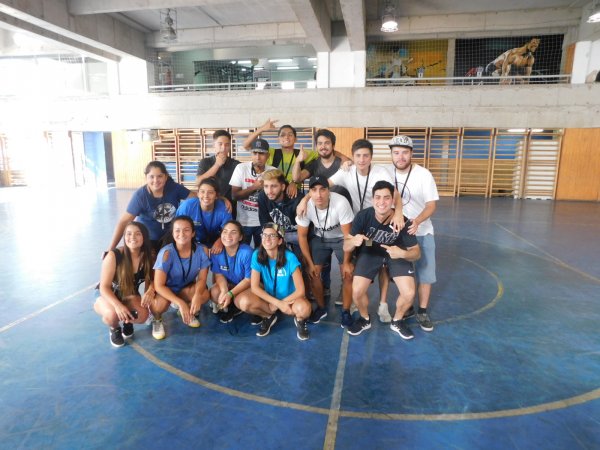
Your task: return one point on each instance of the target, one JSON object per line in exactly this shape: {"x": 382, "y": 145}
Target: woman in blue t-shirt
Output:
{"x": 209, "y": 214}
{"x": 180, "y": 273}
{"x": 153, "y": 204}
{"x": 232, "y": 271}
{"x": 124, "y": 269}
{"x": 277, "y": 283}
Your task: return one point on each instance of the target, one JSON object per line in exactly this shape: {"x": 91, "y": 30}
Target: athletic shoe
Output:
{"x": 400, "y": 327}
{"x": 410, "y": 312}
{"x": 127, "y": 330}
{"x": 158, "y": 329}
{"x": 116, "y": 338}
{"x": 317, "y": 315}
{"x": 227, "y": 316}
{"x": 424, "y": 322}
{"x": 384, "y": 313}
{"x": 359, "y": 326}
{"x": 346, "y": 319}
{"x": 256, "y": 320}
{"x": 266, "y": 324}
{"x": 301, "y": 329}
{"x": 194, "y": 322}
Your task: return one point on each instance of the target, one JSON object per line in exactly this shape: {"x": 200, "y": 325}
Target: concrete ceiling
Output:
{"x": 315, "y": 24}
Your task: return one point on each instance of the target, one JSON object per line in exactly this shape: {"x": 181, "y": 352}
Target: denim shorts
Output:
{"x": 425, "y": 266}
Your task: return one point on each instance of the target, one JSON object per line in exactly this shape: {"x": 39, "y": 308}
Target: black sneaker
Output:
{"x": 346, "y": 319}
{"x": 400, "y": 327}
{"x": 410, "y": 312}
{"x": 425, "y": 322}
{"x": 266, "y": 324}
{"x": 116, "y": 338}
{"x": 227, "y": 316}
{"x": 256, "y": 320}
{"x": 127, "y": 330}
{"x": 302, "y": 329}
{"x": 359, "y": 326}
{"x": 317, "y": 315}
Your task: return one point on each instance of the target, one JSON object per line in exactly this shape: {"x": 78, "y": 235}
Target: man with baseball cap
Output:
{"x": 419, "y": 196}
{"x": 332, "y": 216}
{"x": 246, "y": 183}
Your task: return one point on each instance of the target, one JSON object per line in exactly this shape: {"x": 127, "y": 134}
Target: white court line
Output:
{"x": 45, "y": 308}
{"x": 336, "y": 400}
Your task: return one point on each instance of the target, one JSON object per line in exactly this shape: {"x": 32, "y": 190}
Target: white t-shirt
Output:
{"x": 243, "y": 177}
{"x": 340, "y": 213}
{"x": 348, "y": 180}
{"x": 419, "y": 190}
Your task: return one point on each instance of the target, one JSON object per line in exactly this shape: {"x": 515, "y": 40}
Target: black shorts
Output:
{"x": 368, "y": 266}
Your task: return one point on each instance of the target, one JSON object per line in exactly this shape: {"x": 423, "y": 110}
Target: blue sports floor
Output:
{"x": 513, "y": 362}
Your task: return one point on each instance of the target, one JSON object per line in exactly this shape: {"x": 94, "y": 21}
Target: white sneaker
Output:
{"x": 194, "y": 323}
{"x": 158, "y": 329}
{"x": 384, "y": 313}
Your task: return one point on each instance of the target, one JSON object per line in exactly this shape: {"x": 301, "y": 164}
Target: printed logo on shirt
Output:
{"x": 382, "y": 237}
{"x": 281, "y": 219}
{"x": 164, "y": 213}
{"x": 224, "y": 268}
{"x": 333, "y": 227}
{"x": 281, "y": 272}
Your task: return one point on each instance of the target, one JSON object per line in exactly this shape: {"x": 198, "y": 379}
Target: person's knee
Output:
{"x": 301, "y": 309}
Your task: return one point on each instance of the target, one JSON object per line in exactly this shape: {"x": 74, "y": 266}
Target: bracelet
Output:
{"x": 231, "y": 294}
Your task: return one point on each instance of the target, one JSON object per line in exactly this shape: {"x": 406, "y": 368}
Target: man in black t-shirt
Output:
{"x": 379, "y": 244}
{"x": 220, "y": 166}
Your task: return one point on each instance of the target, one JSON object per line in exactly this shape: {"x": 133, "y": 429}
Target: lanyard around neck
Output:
{"x": 319, "y": 222}
{"x": 405, "y": 181}
{"x": 290, "y": 164}
{"x": 185, "y": 274}
{"x": 364, "y": 194}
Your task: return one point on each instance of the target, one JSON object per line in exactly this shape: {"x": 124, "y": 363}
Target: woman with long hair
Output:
{"x": 276, "y": 283}
{"x": 209, "y": 214}
{"x": 232, "y": 271}
{"x": 153, "y": 204}
{"x": 124, "y": 269}
{"x": 180, "y": 273}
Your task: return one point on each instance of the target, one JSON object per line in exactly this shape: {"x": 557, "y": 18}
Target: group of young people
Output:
{"x": 274, "y": 259}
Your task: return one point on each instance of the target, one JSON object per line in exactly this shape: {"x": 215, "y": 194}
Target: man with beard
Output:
{"x": 246, "y": 183}
{"x": 379, "y": 244}
{"x": 419, "y": 196}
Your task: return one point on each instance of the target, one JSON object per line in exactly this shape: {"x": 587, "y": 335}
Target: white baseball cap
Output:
{"x": 401, "y": 141}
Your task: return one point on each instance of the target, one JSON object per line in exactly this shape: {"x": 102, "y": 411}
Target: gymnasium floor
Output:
{"x": 513, "y": 362}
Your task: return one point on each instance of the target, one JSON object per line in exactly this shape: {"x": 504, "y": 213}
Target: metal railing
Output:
{"x": 236, "y": 86}
{"x": 470, "y": 81}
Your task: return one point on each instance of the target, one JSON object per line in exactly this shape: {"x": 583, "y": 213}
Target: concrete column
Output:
{"x": 322, "y": 69}
{"x": 581, "y": 61}
{"x": 346, "y": 68}
{"x": 133, "y": 76}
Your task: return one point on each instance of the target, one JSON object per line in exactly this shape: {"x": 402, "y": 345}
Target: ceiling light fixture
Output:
{"x": 595, "y": 14}
{"x": 168, "y": 25}
{"x": 283, "y": 60}
{"x": 288, "y": 68}
{"x": 388, "y": 19}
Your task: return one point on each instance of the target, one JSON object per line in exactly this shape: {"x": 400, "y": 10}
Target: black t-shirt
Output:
{"x": 282, "y": 213}
{"x": 316, "y": 168}
{"x": 223, "y": 174}
{"x": 366, "y": 223}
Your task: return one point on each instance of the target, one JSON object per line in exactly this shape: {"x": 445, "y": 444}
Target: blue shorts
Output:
{"x": 425, "y": 266}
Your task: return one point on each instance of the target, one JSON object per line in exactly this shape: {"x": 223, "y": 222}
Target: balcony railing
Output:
{"x": 470, "y": 81}
{"x": 236, "y": 86}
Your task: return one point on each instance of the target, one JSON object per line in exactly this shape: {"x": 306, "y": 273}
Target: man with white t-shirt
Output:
{"x": 246, "y": 183}
{"x": 419, "y": 196}
{"x": 331, "y": 215}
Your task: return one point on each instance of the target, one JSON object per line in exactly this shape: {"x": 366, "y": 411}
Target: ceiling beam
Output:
{"x": 355, "y": 21}
{"x": 232, "y": 36}
{"x": 314, "y": 19}
{"x": 507, "y": 23}
{"x": 83, "y": 7}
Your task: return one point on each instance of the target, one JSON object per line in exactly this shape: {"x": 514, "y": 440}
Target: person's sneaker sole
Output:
{"x": 356, "y": 333}
{"x": 112, "y": 343}
{"x": 424, "y": 328}
{"x": 159, "y": 337}
{"x": 406, "y": 337}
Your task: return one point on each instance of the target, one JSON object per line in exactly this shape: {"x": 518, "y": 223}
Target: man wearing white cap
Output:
{"x": 419, "y": 196}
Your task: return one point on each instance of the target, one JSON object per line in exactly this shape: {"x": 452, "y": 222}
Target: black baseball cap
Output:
{"x": 318, "y": 180}
{"x": 260, "y": 145}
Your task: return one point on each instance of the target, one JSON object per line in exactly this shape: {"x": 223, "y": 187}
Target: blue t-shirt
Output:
{"x": 285, "y": 282}
{"x": 157, "y": 213}
{"x": 181, "y": 271}
{"x": 234, "y": 269}
{"x": 208, "y": 224}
